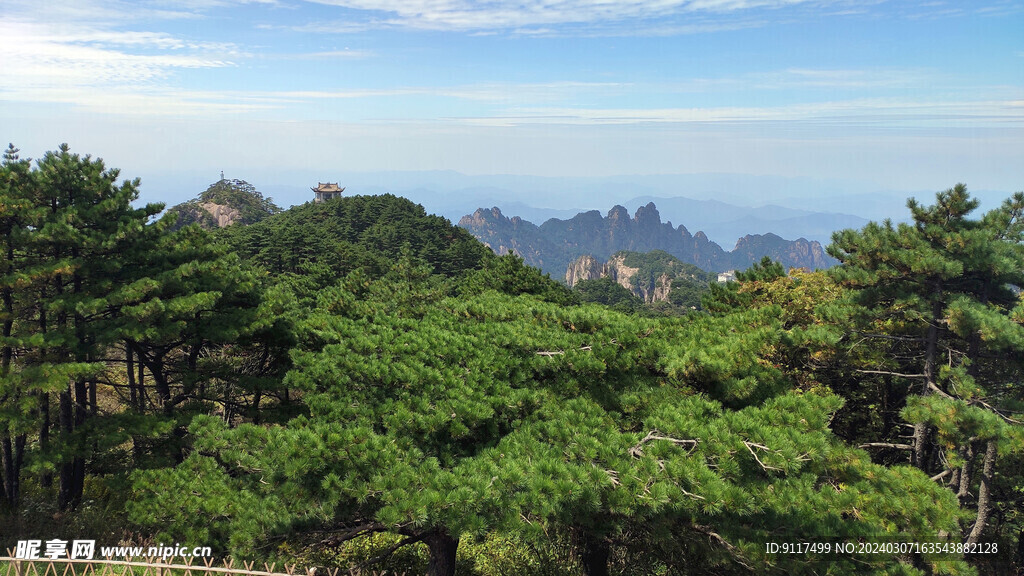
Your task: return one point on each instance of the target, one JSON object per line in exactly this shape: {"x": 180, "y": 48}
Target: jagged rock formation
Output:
{"x": 555, "y": 243}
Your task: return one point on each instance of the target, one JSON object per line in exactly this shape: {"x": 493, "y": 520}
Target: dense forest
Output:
{"x": 359, "y": 383}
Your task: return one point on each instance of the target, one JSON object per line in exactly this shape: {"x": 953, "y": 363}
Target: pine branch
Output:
{"x": 354, "y": 532}
{"x": 736, "y": 556}
{"x": 391, "y": 550}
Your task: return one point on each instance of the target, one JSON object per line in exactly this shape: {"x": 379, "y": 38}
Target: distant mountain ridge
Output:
{"x": 555, "y": 243}
{"x": 723, "y": 222}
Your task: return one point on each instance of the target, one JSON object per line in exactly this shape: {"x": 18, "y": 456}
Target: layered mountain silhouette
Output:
{"x": 555, "y": 243}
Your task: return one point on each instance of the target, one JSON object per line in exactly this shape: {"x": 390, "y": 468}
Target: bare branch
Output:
{"x": 996, "y": 411}
{"x": 637, "y": 451}
{"x": 940, "y": 391}
{"x": 560, "y": 352}
{"x": 886, "y": 445}
{"x": 888, "y": 373}
{"x": 750, "y": 448}
{"x": 889, "y": 337}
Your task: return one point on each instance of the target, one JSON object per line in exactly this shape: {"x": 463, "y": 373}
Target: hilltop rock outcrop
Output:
{"x": 224, "y": 203}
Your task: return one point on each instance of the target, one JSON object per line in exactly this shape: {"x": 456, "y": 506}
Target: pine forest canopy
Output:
{"x": 359, "y": 383}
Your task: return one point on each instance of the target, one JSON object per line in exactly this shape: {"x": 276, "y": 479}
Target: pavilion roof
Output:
{"x": 328, "y": 187}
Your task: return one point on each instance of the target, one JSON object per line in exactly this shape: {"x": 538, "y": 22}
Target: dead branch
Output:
{"x": 888, "y": 373}
{"x": 637, "y": 451}
{"x": 750, "y": 448}
{"x": 886, "y": 445}
{"x": 560, "y": 352}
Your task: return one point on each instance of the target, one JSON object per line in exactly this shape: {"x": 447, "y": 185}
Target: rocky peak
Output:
{"x": 647, "y": 216}
{"x": 618, "y": 213}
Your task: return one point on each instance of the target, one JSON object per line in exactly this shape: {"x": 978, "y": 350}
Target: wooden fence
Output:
{"x": 10, "y": 566}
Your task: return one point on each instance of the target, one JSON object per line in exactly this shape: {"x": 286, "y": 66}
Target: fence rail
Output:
{"x": 10, "y": 566}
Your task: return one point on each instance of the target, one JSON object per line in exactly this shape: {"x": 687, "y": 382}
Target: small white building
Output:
{"x": 727, "y": 276}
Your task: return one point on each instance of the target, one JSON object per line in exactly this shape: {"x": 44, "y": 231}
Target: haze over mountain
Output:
{"x": 555, "y": 243}
{"x": 723, "y": 206}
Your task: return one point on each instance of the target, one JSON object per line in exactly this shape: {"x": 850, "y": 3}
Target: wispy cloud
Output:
{"x": 346, "y": 54}
{"x": 36, "y": 57}
{"x": 538, "y": 17}
{"x": 870, "y": 112}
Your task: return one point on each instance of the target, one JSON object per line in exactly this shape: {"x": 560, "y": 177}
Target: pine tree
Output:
{"x": 941, "y": 293}
{"x": 15, "y": 424}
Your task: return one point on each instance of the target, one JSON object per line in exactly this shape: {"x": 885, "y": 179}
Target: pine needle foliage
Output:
{"x": 441, "y": 419}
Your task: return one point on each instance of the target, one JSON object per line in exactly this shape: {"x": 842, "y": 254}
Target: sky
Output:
{"x": 904, "y": 95}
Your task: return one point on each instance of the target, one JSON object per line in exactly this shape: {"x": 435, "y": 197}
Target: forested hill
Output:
{"x": 368, "y": 232}
{"x": 555, "y": 243}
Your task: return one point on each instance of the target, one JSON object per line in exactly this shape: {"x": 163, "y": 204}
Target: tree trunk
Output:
{"x": 442, "y": 553}
{"x": 10, "y": 475}
{"x": 595, "y": 555}
{"x": 13, "y": 460}
{"x": 966, "y": 472}
{"x": 1019, "y": 560}
{"x": 67, "y": 468}
{"x": 918, "y": 458}
{"x": 984, "y": 493}
{"x": 78, "y": 464}
{"x": 44, "y": 434}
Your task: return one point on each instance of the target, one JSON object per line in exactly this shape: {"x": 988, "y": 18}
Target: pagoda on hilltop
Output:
{"x": 327, "y": 191}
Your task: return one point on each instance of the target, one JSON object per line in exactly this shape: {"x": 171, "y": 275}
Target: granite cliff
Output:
{"x": 652, "y": 289}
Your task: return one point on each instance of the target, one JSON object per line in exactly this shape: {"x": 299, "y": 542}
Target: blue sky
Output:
{"x": 910, "y": 95}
